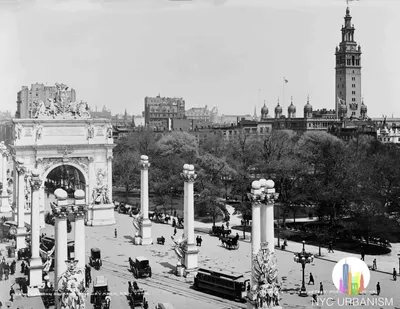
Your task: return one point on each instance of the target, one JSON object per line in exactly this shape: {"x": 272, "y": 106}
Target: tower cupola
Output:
{"x": 278, "y": 111}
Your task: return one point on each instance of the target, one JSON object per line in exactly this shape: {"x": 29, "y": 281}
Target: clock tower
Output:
{"x": 348, "y": 73}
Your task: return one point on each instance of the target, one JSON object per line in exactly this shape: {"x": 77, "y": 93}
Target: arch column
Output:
{"x": 4, "y": 203}
{"x": 109, "y": 176}
{"x": 145, "y": 229}
{"x": 35, "y": 264}
{"x": 21, "y": 233}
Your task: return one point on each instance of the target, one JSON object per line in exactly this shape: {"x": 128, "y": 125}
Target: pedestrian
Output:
{"x": 285, "y": 242}
{"x": 311, "y": 279}
{"x": 1, "y": 305}
{"x": 175, "y": 213}
{"x": 9, "y": 252}
{"x": 378, "y": 289}
{"x": 23, "y": 267}
{"x": 227, "y": 225}
{"x": 6, "y": 272}
{"x": 330, "y": 249}
{"x": 394, "y": 274}
{"x": 200, "y": 241}
{"x": 321, "y": 288}
{"x": 12, "y": 292}
{"x": 12, "y": 267}
{"x": 1, "y": 273}
{"x": 115, "y": 233}
{"x": 362, "y": 255}
{"x": 197, "y": 240}
{"x": 314, "y": 298}
{"x": 374, "y": 267}
{"x": 174, "y": 231}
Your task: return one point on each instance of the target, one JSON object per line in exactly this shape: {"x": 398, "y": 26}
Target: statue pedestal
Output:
{"x": 100, "y": 214}
{"x": 137, "y": 240}
{"x": 145, "y": 232}
{"x": 179, "y": 270}
{"x": 20, "y": 238}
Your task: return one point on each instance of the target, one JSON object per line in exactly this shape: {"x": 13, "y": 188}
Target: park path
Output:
{"x": 385, "y": 263}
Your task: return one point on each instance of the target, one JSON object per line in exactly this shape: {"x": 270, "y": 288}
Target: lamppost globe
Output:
{"x": 303, "y": 258}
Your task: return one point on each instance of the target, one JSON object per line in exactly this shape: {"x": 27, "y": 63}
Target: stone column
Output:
{"x": 109, "y": 177}
{"x": 61, "y": 252}
{"x": 35, "y": 265}
{"x": 263, "y": 214}
{"x": 145, "y": 231}
{"x": 5, "y": 205}
{"x": 21, "y": 234}
{"x": 255, "y": 196}
{"x": 42, "y": 204}
{"x": 191, "y": 250}
{"x": 270, "y": 197}
{"x": 79, "y": 237}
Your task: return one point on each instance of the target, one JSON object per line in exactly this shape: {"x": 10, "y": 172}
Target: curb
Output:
{"x": 333, "y": 261}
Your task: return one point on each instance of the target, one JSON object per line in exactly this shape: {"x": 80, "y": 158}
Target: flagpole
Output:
{"x": 283, "y": 94}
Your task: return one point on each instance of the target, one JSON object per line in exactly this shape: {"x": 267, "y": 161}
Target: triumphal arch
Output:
{"x": 63, "y": 134}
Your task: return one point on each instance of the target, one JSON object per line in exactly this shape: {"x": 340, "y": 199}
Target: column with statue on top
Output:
{"x": 265, "y": 287}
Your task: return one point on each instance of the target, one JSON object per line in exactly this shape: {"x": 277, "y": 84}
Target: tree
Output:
{"x": 126, "y": 170}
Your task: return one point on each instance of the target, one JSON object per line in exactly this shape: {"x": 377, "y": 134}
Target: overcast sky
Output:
{"x": 210, "y": 52}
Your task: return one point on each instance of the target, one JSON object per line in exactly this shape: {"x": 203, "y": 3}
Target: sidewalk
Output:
{"x": 385, "y": 263}
{"x": 20, "y": 302}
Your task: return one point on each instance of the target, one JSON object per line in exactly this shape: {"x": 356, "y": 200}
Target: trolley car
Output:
{"x": 226, "y": 283}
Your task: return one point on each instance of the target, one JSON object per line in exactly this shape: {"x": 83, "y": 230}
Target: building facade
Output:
{"x": 159, "y": 111}
{"x": 348, "y": 73}
{"x": 202, "y": 114}
{"x": 27, "y": 98}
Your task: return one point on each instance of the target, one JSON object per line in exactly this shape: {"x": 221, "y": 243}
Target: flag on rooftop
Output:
{"x": 285, "y": 80}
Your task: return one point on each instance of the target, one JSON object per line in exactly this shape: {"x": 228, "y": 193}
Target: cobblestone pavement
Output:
{"x": 164, "y": 286}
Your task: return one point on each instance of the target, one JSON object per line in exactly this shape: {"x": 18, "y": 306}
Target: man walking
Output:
{"x": 311, "y": 279}
{"x": 174, "y": 231}
{"x": 330, "y": 248}
{"x": 374, "y": 267}
{"x": 362, "y": 254}
{"x": 321, "y": 288}
{"x": 378, "y": 289}
{"x": 394, "y": 274}
{"x": 115, "y": 233}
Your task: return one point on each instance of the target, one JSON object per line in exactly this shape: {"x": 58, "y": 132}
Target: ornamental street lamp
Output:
{"x": 172, "y": 189}
{"x": 303, "y": 258}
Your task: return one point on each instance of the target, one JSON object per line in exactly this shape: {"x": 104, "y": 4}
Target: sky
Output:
{"x": 232, "y": 54}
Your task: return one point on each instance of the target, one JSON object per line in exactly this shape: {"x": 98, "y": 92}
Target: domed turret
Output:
{"x": 291, "y": 109}
{"x": 363, "y": 110}
{"x": 308, "y": 109}
{"x": 278, "y": 110}
{"x": 264, "y": 112}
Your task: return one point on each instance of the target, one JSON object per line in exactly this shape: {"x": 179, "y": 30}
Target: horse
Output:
{"x": 151, "y": 215}
{"x": 40, "y": 109}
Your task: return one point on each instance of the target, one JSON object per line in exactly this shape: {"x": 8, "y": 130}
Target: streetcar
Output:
{"x": 226, "y": 283}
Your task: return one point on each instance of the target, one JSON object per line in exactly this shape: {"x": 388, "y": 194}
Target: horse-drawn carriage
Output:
{"x": 159, "y": 217}
{"x": 100, "y": 296}
{"x": 140, "y": 267}
{"x": 230, "y": 242}
{"x": 219, "y": 231}
{"x": 95, "y": 258}
{"x": 124, "y": 208}
{"x": 179, "y": 224}
{"x": 161, "y": 240}
{"x": 24, "y": 253}
{"x": 135, "y": 295}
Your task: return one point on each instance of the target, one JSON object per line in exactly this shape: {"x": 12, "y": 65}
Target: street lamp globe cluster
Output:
{"x": 303, "y": 258}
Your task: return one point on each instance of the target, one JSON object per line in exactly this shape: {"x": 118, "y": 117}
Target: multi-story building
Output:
{"x": 26, "y": 98}
{"x": 159, "y": 111}
{"x": 202, "y": 113}
{"x": 348, "y": 74}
